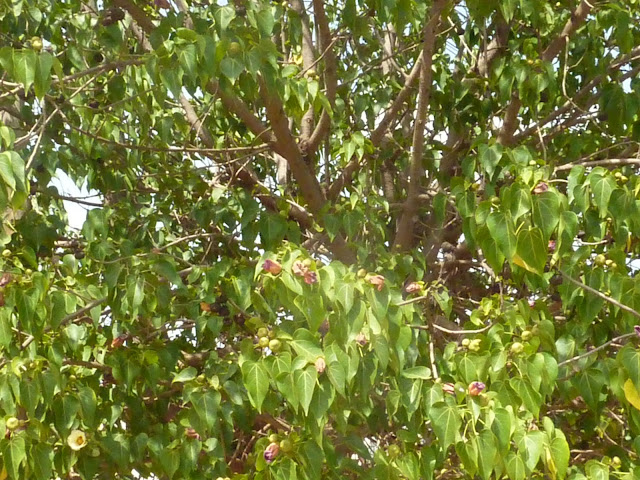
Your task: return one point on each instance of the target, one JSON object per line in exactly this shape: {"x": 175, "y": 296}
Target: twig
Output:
{"x": 597, "y": 349}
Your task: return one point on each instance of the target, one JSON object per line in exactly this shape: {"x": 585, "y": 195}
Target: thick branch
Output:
{"x": 405, "y": 238}
{"x": 576, "y": 19}
{"x": 308, "y": 58}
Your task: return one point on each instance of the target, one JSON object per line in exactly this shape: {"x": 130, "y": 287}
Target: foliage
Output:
{"x": 330, "y": 239}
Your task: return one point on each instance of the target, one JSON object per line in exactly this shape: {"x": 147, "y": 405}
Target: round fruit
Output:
{"x": 608, "y": 262}
{"x": 275, "y": 345}
{"x": 307, "y": 262}
{"x": 311, "y": 73}
{"x": 234, "y": 48}
{"x": 36, "y": 43}
{"x": 286, "y": 446}
{"x": 12, "y": 423}
{"x": 475, "y": 345}
{"x": 616, "y": 462}
{"x": 271, "y": 334}
{"x": 263, "y": 332}
{"x": 517, "y": 348}
{"x": 393, "y": 451}
{"x": 273, "y": 438}
{"x": 465, "y": 342}
{"x": 526, "y": 335}
{"x": 624, "y": 179}
{"x": 600, "y": 259}
{"x": 361, "y": 273}
{"x": 6, "y": 253}
{"x": 263, "y": 342}
{"x": 529, "y": 62}
{"x": 201, "y": 378}
{"x": 618, "y": 174}
{"x": 532, "y": 163}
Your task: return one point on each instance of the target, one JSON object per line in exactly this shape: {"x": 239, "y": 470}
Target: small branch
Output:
{"x": 607, "y": 162}
{"x": 404, "y": 238}
{"x": 597, "y": 293}
{"x": 451, "y": 332}
{"x": 597, "y": 349}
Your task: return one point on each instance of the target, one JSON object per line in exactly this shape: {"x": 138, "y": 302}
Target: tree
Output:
{"x": 329, "y": 239}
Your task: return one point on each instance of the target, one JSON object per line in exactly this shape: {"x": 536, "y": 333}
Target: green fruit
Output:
{"x": 12, "y": 423}
{"x": 6, "y": 253}
{"x": 271, "y": 334}
{"x": 393, "y": 451}
{"x": 608, "y": 262}
{"x": 475, "y": 345}
{"x": 275, "y": 345}
{"x": 600, "y": 259}
{"x": 263, "y": 342}
{"x": 263, "y": 332}
{"x": 532, "y": 163}
{"x": 234, "y": 48}
{"x": 286, "y": 446}
{"x": 517, "y": 348}
{"x": 624, "y": 179}
{"x": 465, "y": 342}
{"x": 526, "y": 335}
{"x": 273, "y": 438}
{"x": 616, "y": 462}
{"x": 36, "y": 43}
{"x": 311, "y": 73}
{"x": 362, "y": 273}
{"x": 618, "y": 174}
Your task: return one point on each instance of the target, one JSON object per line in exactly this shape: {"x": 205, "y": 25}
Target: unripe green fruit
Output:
{"x": 526, "y": 335}
{"x": 362, "y": 273}
{"x": 28, "y": 271}
{"x": 271, "y": 334}
{"x": 201, "y": 378}
{"x": 36, "y": 43}
{"x": 6, "y": 253}
{"x": 234, "y": 48}
{"x": 263, "y": 342}
{"x": 532, "y": 163}
{"x": 307, "y": 262}
{"x": 263, "y": 332}
{"x": 624, "y": 179}
{"x": 608, "y": 262}
{"x": 616, "y": 462}
{"x": 12, "y": 423}
{"x": 275, "y": 345}
{"x": 273, "y": 438}
{"x": 517, "y": 348}
{"x": 617, "y": 174}
{"x": 286, "y": 446}
{"x": 475, "y": 345}
{"x": 393, "y": 451}
{"x": 600, "y": 259}
{"x": 465, "y": 342}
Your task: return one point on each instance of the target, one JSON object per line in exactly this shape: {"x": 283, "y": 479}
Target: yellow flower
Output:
{"x": 77, "y": 439}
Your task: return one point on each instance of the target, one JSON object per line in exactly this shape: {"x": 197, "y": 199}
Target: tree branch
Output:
{"x": 510, "y": 123}
{"x": 405, "y": 238}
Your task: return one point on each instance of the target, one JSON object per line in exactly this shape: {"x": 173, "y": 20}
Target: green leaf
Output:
{"x": 629, "y": 359}
{"x": 531, "y": 398}
{"x": 531, "y": 250}
{"x": 596, "y": 470}
{"x": 345, "y": 294}
{"x": 489, "y": 157}
{"x": 532, "y": 445}
{"x": 602, "y": 187}
{"x": 306, "y": 345}
{"x": 501, "y": 427}
{"x": 516, "y": 468}
{"x": 13, "y": 455}
{"x": 589, "y": 383}
{"x": 256, "y": 381}
{"x": 231, "y": 67}
{"x": 422, "y": 373}
{"x": 486, "y": 453}
{"x": 42, "y": 79}
{"x": 117, "y": 447}
{"x": 88, "y": 403}
{"x": 502, "y": 230}
{"x": 305, "y": 382}
{"x": 6, "y": 170}
{"x": 446, "y": 423}
{"x": 41, "y": 461}
{"x": 24, "y": 65}
{"x": 337, "y": 376}
{"x": 185, "y": 375}
{"x": 206, "y": 405}
{"x": 560, "y": 454}
{"x": 546, "y": 212}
